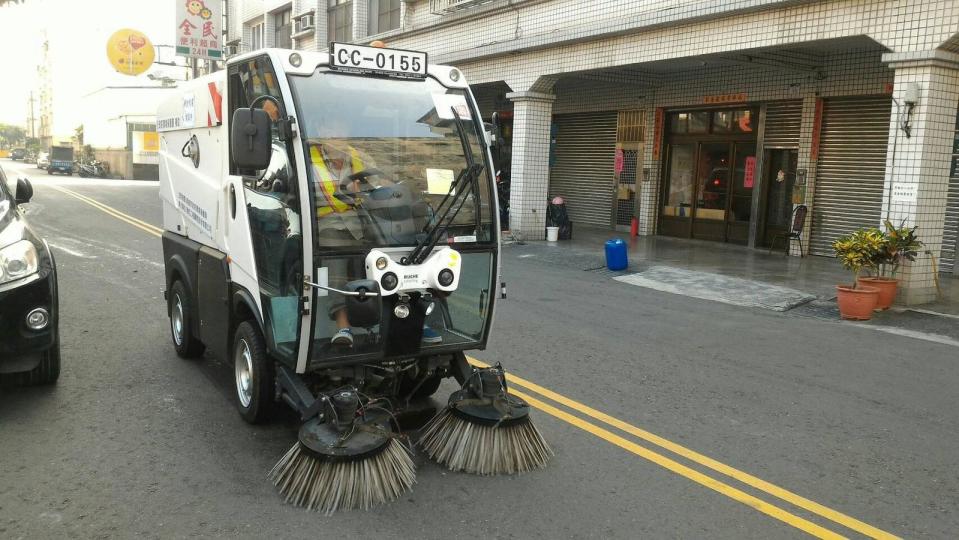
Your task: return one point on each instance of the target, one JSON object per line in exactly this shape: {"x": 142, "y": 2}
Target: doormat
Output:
{"x": 717, "y": 287}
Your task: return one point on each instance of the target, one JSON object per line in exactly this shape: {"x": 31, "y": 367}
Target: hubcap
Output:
{"x": 243, "y": 365}
{"x": 176, "y": 320}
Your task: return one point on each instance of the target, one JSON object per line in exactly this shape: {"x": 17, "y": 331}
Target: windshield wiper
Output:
{"x": 453, "y": 202}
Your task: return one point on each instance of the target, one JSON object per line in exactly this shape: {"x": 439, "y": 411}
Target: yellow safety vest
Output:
{"x": 327, "y": 186}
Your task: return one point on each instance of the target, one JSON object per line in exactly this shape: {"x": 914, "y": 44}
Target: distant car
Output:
{"x": 18, "y": 153}
{"x": 43, "y": 160}
{"x": 29, "y": 307}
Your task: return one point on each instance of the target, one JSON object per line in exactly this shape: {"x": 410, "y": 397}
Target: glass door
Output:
{"x": 712, "y": 191}
{"x": 741, "y": 193}
{"x": 779, "y": 180}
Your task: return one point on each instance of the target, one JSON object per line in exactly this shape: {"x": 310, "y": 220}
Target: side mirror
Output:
{"x": 24, "y": 191}
{"x": 363, "y": 311}
{"x": 251, "y": 142}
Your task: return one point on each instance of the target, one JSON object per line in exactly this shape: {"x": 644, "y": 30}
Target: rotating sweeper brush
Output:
{"x": 484, "y": 430}
{"x": 349, "y": 459}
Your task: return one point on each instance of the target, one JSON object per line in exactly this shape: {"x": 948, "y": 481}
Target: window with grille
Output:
{"x": 283, "y": 24}
{"x": 340, "y": 16}
{"x": 384, "y": 15}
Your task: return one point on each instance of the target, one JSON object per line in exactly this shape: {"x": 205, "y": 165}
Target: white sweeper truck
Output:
{"x": 331, "y": 231}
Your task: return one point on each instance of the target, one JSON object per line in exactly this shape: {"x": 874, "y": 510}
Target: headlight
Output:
{"x": 446, "y": 277}
{"x": 381, "y": 263}
{"x": 17, "y": 260}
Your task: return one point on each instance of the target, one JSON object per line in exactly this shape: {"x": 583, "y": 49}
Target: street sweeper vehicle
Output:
{"x": 331, "y": 231}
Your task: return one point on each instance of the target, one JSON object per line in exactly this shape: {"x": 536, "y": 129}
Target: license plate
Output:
{"x": 360, "y": 58}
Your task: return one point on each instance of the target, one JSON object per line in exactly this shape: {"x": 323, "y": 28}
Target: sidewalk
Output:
{"x": 815, "y": 276}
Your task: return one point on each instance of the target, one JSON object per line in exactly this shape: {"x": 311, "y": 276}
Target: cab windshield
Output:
{"x": 382, "y": 154}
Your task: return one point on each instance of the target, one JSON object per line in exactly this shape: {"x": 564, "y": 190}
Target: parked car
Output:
{"x": 29, "y": 307}
{"x": 18, "y": 153}
{"x": 43, "y": 160}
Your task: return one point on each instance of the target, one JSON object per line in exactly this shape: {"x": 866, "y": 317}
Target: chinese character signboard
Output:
{"x": 749, "y": 175}
{"x": 146, "y": 147}
{"x": 199, "y": 26}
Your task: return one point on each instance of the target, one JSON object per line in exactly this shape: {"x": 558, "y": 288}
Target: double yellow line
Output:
{"x": 693, "y": 456}
{"x": 126, "y": 218}
{"x": 631, "y": 446}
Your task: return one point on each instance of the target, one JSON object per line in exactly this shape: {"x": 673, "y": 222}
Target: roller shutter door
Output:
{"x": 582, "y": 172}
{"x": 783, "y": 122}
{"x": 851, "y": 168}
{"x": 950, "y": 233}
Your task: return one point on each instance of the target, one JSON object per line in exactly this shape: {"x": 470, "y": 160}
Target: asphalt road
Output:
{"x": 723, "y": 422}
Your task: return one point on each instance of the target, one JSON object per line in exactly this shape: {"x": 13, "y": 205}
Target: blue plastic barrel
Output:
{"x": 616, "y": 256}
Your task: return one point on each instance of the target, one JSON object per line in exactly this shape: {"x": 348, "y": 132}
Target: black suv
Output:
{"x": 29, "y": 336}
{"x": 18, "y": 153}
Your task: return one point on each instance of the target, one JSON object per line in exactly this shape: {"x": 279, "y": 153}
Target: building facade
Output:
{"x": 708, "y": 120}
{"x": 119, "y": 124}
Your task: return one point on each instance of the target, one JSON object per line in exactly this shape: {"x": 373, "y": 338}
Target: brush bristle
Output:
{"x": 478, "y": 449}
{"x": 324, "y": 486}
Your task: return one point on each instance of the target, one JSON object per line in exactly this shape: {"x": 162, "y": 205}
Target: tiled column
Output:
{"x": 361, "y": 9}
{"x": 532, "y": 116}
{"x": 806, "y": 161}
{"x": 921, "y": 161}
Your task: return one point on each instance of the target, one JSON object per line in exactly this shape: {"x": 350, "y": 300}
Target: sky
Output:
{"x": 77, "y": 31}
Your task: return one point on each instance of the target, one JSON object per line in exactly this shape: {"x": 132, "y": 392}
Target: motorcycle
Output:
{"x": 93, "y": 169}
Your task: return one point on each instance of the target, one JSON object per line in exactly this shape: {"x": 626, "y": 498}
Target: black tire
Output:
{"x": 428, "y": 388}
{"x": 47, "y": 371}
{"x": 254, "y": 399}
{"x": 180, "y": 313}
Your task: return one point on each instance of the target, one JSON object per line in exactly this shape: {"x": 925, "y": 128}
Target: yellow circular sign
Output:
{"x": 130, "y": 51}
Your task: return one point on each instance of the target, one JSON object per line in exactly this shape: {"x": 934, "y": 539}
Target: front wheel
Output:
{"x": 181, "y": 323}
{"x": 253, "y": 373}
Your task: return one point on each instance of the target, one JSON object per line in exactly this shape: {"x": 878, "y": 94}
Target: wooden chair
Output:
{"x": 799, "y": 220}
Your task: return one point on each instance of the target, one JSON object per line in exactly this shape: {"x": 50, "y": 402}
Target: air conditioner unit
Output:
{"x": 231, "y": 50}
{"x": 305, "y": 22}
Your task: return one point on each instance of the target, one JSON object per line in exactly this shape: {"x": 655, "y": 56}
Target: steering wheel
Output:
{"x": 267, "y": 97}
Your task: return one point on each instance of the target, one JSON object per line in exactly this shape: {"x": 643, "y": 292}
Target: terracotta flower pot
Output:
{"x": 887, "y": 290}
{"x": 856, "y": 304}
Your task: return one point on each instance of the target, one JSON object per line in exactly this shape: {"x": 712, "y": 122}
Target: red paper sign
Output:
{"x": 618, "y": 162}
{"x": 816, "y": 128}
{"x": 657, "y": 132}
{"x": 750, "y": 174}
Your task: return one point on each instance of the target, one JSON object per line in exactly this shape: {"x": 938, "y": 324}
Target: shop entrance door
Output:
{"x": 725, "y": 179}
{"x": 779, "y": 180}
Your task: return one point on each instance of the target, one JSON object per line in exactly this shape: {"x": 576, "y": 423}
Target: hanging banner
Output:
{"x": 816, "y": 129}
{"x": 657, "y": 132}
{"x": 130, "y": 52}
{"x": 750, "y": 173}
{"x": 199, "y": 28}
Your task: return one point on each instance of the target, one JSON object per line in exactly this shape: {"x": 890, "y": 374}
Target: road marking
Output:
{"x": 155, "y": 231}
{"x": 696, "y": 476}
{"x": 746, "y": 478}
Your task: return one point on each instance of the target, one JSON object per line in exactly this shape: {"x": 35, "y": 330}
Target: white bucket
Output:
{"x": 552, "y": 234}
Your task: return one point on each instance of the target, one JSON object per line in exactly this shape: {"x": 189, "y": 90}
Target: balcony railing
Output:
{"x": 442, "y": 7}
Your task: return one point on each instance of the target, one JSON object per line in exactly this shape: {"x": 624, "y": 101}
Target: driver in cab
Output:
{"x": 337, "y": 167}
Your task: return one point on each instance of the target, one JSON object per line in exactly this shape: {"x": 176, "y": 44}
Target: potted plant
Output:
{"x": 855, "y": 252}
{"x": 900, "y": 244}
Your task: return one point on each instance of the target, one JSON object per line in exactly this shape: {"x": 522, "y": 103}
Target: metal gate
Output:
{"x": 630, "y": 131}
{"x": 582, "y": 172}
{"x": 950, "y": 232}
{"x": 851, "y": 168}
{"x": 783, "y": 122}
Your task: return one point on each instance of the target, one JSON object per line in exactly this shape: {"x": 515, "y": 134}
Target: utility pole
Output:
{"x": 30, "y": 118}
